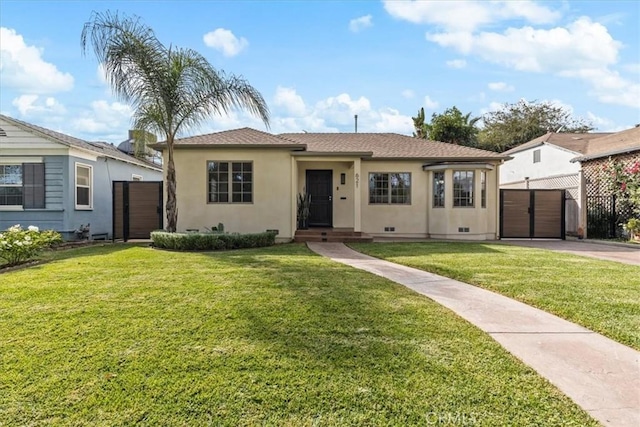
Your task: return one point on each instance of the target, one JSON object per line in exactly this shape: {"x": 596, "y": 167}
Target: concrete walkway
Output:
{"x": 609, "y": 252}
{"x": 599, "y": 374}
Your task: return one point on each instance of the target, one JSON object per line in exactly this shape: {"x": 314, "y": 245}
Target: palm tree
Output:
{"x": 170, "y": 89}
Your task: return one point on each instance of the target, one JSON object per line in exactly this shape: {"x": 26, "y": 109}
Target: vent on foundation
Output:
{"x": 463, "y": 229}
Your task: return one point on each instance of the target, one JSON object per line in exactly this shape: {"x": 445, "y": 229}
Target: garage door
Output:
{"x": 532, "y": 214}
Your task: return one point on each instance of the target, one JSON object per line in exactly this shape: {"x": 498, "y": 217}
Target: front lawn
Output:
{"x": 603, "y": 296}
{"x": 122, "y": 335}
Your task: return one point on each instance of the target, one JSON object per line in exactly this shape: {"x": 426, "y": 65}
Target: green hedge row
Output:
{"x": 210, "y": 241}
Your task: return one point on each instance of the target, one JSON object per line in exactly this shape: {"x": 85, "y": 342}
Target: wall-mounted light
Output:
{"x": 343, "y": 178}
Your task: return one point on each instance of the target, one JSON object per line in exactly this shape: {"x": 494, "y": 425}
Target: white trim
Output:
{"x": 136, "y": 177}
{"x": 7, "y": 160}
{"x": 457, "y": 166}
{"x": 75, "y": 186}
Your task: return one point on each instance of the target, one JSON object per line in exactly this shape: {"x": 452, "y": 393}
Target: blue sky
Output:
{"x": 317, "y": 63}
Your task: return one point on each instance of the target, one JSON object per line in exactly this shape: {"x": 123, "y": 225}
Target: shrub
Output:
{"x": 210, "y": 241}
{"x": 18, "y": 245}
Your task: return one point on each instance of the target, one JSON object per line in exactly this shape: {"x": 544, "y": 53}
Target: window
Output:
{"x": 135, "y": 177}
{"x": 22, "y": 185}
{"x": 483, "y": 189}
{"x": 536, "y": 156}
{"x": 11, "y": 185}
{"x": 463, "y": 188}
{"x": 390, "y": 188}
{"x": 438, "y": 189}
{"x": 238, "y": 174}
{"x": 84, "y": 183}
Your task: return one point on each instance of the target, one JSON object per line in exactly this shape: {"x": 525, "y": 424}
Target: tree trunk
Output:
{"x": 172, "y": 207}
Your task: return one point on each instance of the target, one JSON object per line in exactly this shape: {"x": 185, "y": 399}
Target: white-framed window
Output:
{"x": 135, "y": 177}
{"x": 390, "y": 188}
{"x": 11, "y": 185}
{"x": 84, "y": 186}
{"x": 230, "y": 182}
{"x": 463, "y": 189}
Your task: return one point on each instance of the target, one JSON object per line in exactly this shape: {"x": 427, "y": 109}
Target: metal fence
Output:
{"x": 606, "y": 216}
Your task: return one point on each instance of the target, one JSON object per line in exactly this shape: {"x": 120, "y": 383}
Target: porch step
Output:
{"x": 331, "y": 235}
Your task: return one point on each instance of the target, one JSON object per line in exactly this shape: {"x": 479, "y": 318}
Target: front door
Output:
{"x": 319, "y": 186}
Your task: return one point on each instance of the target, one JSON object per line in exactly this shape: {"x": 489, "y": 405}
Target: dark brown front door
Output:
{"x": 319, "y": 186}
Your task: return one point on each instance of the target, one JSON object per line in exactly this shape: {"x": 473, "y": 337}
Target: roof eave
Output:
{"x": 162, "y": 147}
{"x": 361, "y": 154}
{"x": 605, "y": 154}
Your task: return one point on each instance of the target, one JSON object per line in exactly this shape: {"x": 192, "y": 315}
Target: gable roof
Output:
{"x": 387, "y": 146}
{"x": 243, "y": 137}
{"x": 576, "y": 142}
{"x": 100, "y": 148}
{"x": 626, "y": 141}
{"x": 370, "y": 145}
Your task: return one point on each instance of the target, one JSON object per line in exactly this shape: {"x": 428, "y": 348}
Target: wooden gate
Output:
{"x": 532, "y": 214}
{"x": 137, "y": 209}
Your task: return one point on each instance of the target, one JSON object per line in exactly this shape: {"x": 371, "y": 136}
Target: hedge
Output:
{"x": 210, "y": 241}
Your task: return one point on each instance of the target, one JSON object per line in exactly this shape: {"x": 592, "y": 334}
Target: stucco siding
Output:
{"x": 553, "y": 161}
{"x": 446, "y": 222}
{"x": 408, "y": 220}
{"x": 272, "y": 192}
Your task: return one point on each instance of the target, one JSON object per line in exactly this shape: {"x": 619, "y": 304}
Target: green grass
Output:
{"x": 603, "y": 296}
{"x": 122, "y": 335}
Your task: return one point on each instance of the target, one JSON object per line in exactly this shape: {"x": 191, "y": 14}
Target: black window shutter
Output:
{"x": 33, "y": 185}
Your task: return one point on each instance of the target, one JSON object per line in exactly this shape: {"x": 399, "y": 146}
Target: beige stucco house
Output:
{"x": 381, "y": 184}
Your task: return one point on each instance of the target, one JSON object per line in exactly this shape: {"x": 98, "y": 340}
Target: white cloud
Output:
{"x": 104, "y": 120}
{"x": 408, "y": 94}
{"x": 290, "y": 101}
{"x": 602, "y": 124}
{"x": 457, "y": 63}
{"x": 341, "y": 109}
{"x": 359, "y": 24}
{"x": 468, "y": 15}
{"x": 22, "y": 67}
{"x": 583, "y": 44}
{"x": 391, "y": 120}
{"x": 36, "y": 106}
{"x": 430, "y": 104}
{"x": 501, "y": 87}
{"x": 101, "y": 74}
{"x": 583, "y": 50}
{"x": 225, "y": 41}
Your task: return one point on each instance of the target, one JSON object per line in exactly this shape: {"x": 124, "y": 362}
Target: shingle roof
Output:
{"x": 100, "y": 148}
{"x": 374, "y": 145}
{"x": 237, "y": 137}
{"x": 387, "y": 145}
{"x": 625, "y": 141}
{"x": 576, "y": 142}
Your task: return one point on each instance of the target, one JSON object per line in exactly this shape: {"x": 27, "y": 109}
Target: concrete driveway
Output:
{"x": 609, "y": 252}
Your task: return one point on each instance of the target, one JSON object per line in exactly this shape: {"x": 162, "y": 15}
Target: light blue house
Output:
{"x": 55, "y": 181}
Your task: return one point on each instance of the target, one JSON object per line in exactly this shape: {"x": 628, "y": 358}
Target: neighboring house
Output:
{"x": 150, "y": 155}
{"x": 55, "y": 181}
{"x": 380, "y": 184}
{"x": 546, "y": 163}
{"x": 604, "y": 215}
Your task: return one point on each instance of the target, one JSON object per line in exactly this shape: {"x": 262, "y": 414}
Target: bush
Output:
{"x": 18, "y": 245}
{"x": 211, "y": 241}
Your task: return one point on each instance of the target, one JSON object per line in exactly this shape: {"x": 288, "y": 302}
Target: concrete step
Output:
{"x": 336, "y": 239}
